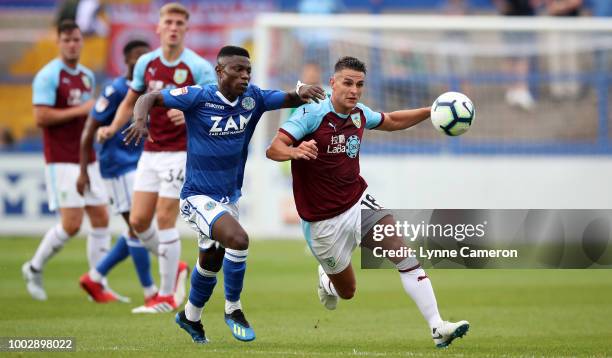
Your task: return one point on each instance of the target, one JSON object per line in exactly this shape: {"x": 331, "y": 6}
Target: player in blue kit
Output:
{"x": 117, "y": 167}
{"x": 220, "y": 122}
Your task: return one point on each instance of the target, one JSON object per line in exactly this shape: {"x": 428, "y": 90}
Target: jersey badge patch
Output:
{"x": 248, "y": 103}
{"x": 86, "y": 81}
{"x": 101, "y": 104}
{"x": 180, "y": 76}
{"x": 356, "y": 118}
{"x": 179, "y": 91}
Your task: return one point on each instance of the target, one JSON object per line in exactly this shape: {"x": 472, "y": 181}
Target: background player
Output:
{"x": 117, "y": 166}
{"x": 323, "y": 142}
{"x": 161, "y": 168}
{"x": 220, "y": 123}
{"x": 62, "y": 97}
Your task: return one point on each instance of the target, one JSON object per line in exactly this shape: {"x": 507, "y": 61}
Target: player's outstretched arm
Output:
{"x": 47, "y": 116}
{"x": 281, "y": 149}
{"x": 403, "y": 119}
{"x": 138, "y": 130}
{"x": 87, "y": 137}
{"x": 303, "y": 94}
{"x": 123, "y": 115}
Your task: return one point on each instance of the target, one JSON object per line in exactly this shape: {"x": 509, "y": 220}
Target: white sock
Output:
{"x": 150, "y": 291}
{"x": 192, "y": 312}
{"x": 95, "y": 276}
{"x": 327, "y": 285}
{"x": 150, "y": 239}
{"x": 169, "y": 255}
{"x": 98, "y": 245}
{"x": 232, "y": 306}
{"x": 417, "y": 285}
{"x": 52, "y": 243}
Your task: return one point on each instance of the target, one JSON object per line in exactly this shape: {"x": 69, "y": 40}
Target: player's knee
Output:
{"x": 238, "y": 241}
{"x": 347, "y": 292}
{"x": 138, "y": 223}
{"x": 71, "y": 227}
{"x": 211, "y": 260}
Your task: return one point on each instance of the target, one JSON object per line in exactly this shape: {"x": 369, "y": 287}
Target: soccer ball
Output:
{"x": 452, "y": 113}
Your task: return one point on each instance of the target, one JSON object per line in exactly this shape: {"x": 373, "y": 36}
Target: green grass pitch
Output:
{"x": 512, "y": 312}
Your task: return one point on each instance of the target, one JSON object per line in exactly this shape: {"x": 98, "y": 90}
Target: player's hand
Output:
{"x": 104, "y": 133}
{"x": 306, "y": 150}
{"x": 136, "y": 133}
{"x": 309, "y": 93}
{"x": 82, "y": 183}
{"x": 176, "y": 117}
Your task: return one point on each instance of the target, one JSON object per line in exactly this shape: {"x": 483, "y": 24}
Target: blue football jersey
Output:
{"x": 218, "y": 135}
{"x": 114, "y": 156}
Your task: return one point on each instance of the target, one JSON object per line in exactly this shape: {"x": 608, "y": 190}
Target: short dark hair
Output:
{"x": 227, "y": 51}
{"x": 351, "y": 63}
{"x": 133, "y": 44}
{"x": 67, "y": 26}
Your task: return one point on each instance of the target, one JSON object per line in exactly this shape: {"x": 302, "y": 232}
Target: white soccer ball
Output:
{"x": 452, "y": 113}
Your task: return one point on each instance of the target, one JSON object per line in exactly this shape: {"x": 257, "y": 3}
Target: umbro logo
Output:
{"x": 152, "y": 71}
{"x": 66, "y": 81}
{"x": 332, "y": 125}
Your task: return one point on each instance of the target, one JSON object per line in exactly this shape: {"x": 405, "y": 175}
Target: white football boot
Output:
{"x": 446, "y": 332}
{"x": 33, "y": 282}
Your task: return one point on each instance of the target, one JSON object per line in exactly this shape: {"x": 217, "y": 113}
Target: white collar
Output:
{"x": 227, "y": 101}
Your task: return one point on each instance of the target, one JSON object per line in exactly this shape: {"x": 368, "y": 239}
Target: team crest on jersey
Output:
{"x": 210, "y": 205}
{"x": 248, "y": 103}
{"x": 180, "y": 76}
{"x": 179, "y": 91}
{"x": 86, "y": 81}
{"x": 356, "y": 118}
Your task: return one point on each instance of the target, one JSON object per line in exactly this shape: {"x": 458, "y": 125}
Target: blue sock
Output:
{"x": 117, "y": 254}
{"x": 142, "y": 261}
{"x": 234, "y": 268}
{"x": 202, "y": 285}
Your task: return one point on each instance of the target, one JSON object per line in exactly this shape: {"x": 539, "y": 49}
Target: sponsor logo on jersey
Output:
{"x": 248, "y": 103}
{"x": 86, "y": 81}
{"x": 180, "y": 76}
{"x": 356, "y": 118}
{"x": 101, "y": 104}
{"x": 352, "y": 146}
{"x": 232, "y": 125}
{"x": 214, "y": 106}
{"x": 179, "y": 91}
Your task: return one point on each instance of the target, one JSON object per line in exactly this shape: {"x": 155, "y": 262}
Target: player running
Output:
{"x": 62, "y": 97}
{"x": 161, "y": 168}
{"x": 220, "y": 123}
{"x": 322, "y": 141}
{"x": 117, "y": 166}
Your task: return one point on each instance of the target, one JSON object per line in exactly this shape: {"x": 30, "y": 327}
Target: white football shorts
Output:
{"x": 201, "y": 212}
{"x": 120, "y": 191}
{"x": 61, "y": 178}
{"x": 161, "y": 172}
{"x": 332, "y": 241}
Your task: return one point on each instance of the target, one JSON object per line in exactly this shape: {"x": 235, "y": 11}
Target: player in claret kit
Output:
{"x": 62, "y": 97}
{"x": 161, "y": 168}
{"x": 322, "y": 141}
{"x": 117, "y": 166}
{"x": 220, "y": 123}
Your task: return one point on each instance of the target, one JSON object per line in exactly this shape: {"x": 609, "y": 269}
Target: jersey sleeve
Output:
{"x": 206, "y": 74}
{"x": 138, "y": 84}
{"x": 107, "y": 104}
{"x": 92, "y": 78}
{"x": 183, "y": 98}
{"x": 373, "y": 119}
{"x": 303, "y": 122}
{"x": 44, "y": 88}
